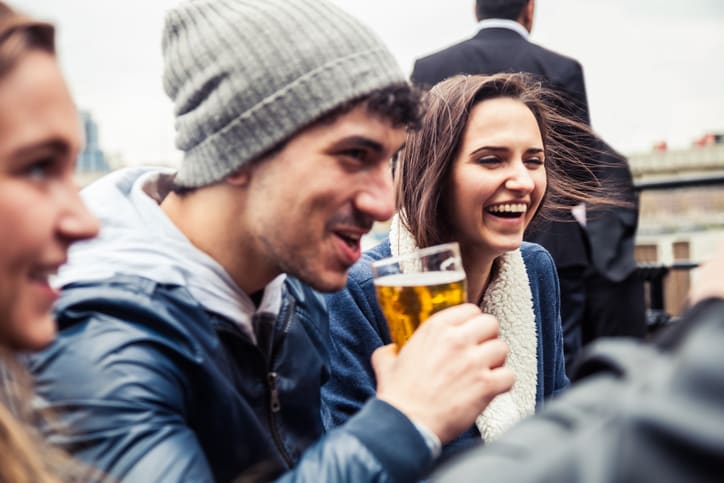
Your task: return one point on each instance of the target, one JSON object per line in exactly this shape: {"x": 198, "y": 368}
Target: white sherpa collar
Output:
{"x": 509, "y": 299}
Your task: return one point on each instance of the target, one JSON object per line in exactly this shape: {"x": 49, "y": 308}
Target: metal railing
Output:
{"x": 689, "y": 182}
{"x": 654, "y": 275}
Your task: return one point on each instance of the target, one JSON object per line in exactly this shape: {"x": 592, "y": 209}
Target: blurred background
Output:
{"x": 654, "y": 77}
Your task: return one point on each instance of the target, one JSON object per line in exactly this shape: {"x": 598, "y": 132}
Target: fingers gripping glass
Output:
{"x": 412, "y": 287}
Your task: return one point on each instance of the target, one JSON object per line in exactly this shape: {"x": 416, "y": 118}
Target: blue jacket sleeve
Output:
{"x": 144, "y": 397}
{"x": 357, "y": 328}
{"x": 543, "y": 279}
{"x": 377, "y": 444}
{"x": 124, "y": 408}
{"x": 128, "y": 406}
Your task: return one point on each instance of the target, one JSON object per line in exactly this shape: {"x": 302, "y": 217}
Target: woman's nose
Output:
{"x": 520, "y": 179}
{"x": 76, "y": 222}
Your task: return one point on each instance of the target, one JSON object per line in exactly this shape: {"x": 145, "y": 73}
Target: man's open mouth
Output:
{"x": 352, "y": 240}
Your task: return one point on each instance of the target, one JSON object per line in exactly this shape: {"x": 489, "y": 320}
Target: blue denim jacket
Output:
{"x": 358, "y": 328}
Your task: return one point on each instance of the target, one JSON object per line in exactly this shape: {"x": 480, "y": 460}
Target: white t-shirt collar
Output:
{"x": 490, "y": 23}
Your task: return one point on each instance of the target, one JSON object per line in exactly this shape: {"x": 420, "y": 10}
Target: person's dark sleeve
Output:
{"x": 640, "y": 413}
{"x": 574, "y": 86}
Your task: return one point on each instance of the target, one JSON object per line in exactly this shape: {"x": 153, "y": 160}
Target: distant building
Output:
{"x": 92, "y": 162}
{"x": 680, "y": 223}
{"x": 705, "y": 157}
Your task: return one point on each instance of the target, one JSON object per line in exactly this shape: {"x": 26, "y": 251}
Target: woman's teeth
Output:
{"x": 508, "y": 209}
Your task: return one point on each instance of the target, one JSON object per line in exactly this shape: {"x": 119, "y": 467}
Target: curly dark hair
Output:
{"x": 399, "y": 104}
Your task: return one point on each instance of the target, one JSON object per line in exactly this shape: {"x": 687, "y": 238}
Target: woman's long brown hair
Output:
{"x": 423, "y": 168}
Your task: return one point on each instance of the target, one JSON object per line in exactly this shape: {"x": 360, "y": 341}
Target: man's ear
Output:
{"x": 527, "y": 15}
{"x": 240, "y": 177}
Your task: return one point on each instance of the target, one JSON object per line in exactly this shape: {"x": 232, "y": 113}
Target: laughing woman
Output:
{"x": 489, "y": 156}
{"x": 41, "y": 214}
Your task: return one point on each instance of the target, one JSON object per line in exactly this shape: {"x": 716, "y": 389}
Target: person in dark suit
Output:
{"x": 614, "y": 291}
{"x": 502, "y": 45}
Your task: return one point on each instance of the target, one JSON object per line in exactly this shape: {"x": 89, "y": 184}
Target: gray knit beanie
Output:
{"x": 245, "y": 75}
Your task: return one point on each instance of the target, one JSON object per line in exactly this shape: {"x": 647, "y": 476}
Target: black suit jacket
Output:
{"x": 495, "y": 50}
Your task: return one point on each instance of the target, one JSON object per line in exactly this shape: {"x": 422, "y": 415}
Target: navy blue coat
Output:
{"x": 154, "y": 388}
{"x": 358, "y": 328}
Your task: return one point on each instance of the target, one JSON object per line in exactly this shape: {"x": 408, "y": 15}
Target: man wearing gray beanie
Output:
{"x": 192, "y": 343}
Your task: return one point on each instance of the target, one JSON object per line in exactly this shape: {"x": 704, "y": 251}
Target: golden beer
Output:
{"x": 408, "y": 299}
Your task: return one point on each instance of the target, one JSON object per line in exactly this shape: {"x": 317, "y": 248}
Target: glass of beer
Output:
{"x": 412, "y": 287}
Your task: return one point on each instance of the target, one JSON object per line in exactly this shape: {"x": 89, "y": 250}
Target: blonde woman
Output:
{"x": 41, "y": 214}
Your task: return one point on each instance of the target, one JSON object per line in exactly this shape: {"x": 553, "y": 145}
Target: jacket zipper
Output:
{"x": 274, "y": 402}
{"x": 274, "y": 407}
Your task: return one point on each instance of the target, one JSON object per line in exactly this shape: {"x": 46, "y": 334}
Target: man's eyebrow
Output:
{"x": 364, "y": 142}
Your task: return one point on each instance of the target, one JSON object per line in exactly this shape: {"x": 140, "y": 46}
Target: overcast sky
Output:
{"x": 654, "y": 68}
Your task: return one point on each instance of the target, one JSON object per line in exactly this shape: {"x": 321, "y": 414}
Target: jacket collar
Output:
{"x": 500, "y": 24}
{"x": 509, "y": 298}
{"x": 137, "y": 238}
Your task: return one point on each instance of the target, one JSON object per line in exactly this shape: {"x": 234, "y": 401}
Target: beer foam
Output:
{"x": 420, "y": 278}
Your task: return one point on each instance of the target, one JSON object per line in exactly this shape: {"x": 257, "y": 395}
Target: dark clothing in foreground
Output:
{"x": 638, "y": 413}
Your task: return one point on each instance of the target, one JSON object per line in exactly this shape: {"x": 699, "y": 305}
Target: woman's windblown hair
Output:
{"x": 423, "y": 168}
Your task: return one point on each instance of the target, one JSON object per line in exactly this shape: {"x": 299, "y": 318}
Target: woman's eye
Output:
{"x": 39, "y": 169}
{"x": 534, "y": 161}
{"x": 488, "y": 160}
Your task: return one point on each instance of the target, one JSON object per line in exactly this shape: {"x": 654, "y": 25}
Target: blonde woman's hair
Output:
{"x": 25, "y": 457}
{"x": 21, "y": 458}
